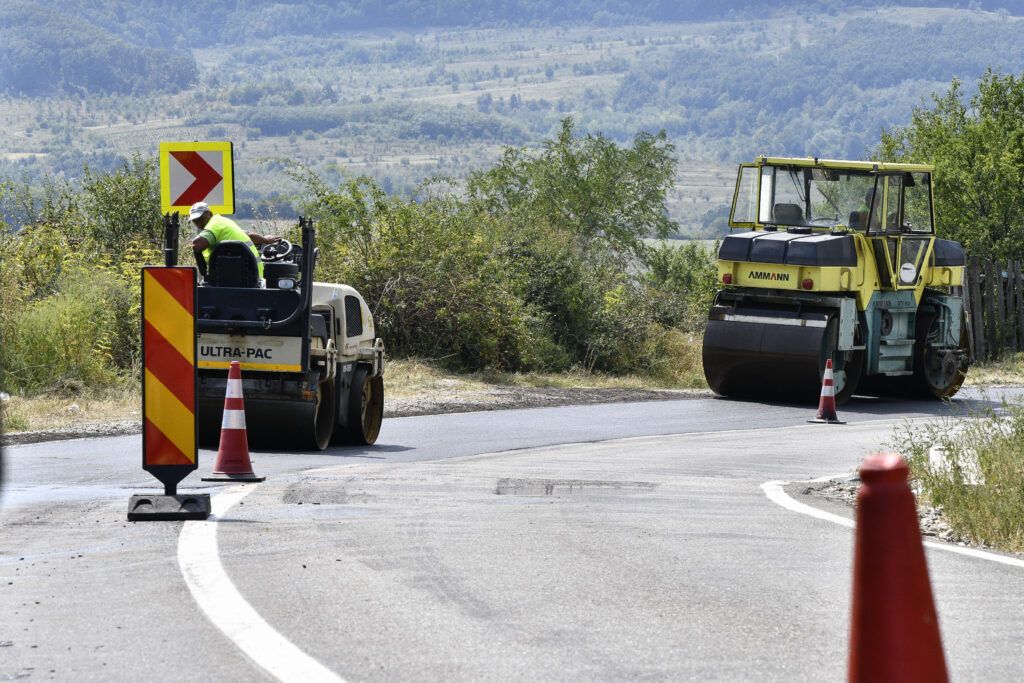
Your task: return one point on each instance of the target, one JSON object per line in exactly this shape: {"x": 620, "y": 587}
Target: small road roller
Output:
{"x": 836, "y": 260}
{"x": 312, "y": 367}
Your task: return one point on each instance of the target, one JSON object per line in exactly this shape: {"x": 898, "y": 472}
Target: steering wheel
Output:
{"x": 276, "y": 251}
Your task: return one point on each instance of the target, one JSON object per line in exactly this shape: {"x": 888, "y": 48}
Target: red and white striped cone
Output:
{"x": 827, "y": 402}
{"x": 233, "y": 462}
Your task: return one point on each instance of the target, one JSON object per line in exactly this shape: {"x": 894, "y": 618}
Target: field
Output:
{"x": 404, "y": 106}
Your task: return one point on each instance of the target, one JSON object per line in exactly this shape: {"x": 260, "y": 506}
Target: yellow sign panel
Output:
{"x": 193, "y": 172}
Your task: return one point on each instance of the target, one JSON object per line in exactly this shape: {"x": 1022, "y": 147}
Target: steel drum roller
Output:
{"x": 765, "y": 353}
{"x": 268, "y": 423}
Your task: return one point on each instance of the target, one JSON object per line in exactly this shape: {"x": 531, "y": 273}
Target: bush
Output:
{"x": 67, "y": 339}
{"x": 542, "y": 266}
{"x": 69, "y": 279}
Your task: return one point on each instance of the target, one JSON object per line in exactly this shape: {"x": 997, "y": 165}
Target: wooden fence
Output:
{"x": 994, "y": 298}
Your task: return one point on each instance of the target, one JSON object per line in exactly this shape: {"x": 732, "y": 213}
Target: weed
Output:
{"x": 972, "y": 469}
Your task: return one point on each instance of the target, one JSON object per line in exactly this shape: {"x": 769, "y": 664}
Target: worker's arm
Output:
{"x": 199, "y": 245}
{"x": 260, "y": 239}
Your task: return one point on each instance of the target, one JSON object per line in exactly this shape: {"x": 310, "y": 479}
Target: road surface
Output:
{"x": 591, "y": 542}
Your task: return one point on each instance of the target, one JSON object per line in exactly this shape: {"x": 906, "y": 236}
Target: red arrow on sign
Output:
{"x": 206, "y": 178}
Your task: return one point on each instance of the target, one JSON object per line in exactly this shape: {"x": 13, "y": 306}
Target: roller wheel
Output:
{"x": 323, "y": 416}
{"x": 847, "y": 366}
{"x": 938, "y": 374}
{"x": 365, "y": 407}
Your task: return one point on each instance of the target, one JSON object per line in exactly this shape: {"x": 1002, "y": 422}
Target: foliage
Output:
{"x": 978, "y": 151}
{"x": 156, "y": 21}
{"x": 541, "y": 265}
{"x": 401, "y": 105}
{"x": 428, "y": 272}
{"x": 67, "y": 338}
{"x": 124, "y": 205}
{"x": 406, "y": 122}
{"x": 69, "y": 279}
{"x": 973, "y": 470}
{"x": 47, "y": 51}
{"x": 684, "y": 273}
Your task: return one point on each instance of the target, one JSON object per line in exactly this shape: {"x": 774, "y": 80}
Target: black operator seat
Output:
{"x": 232, "y": 264}
{"x": 788, "y": 214}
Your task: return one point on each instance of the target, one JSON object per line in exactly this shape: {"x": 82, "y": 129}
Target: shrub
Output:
{"x": 65, "y": 339}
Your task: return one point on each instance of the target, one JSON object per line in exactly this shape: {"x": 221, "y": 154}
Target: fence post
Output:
{"x": 1000, "y": 309}
{"x": 1019, "y": 301}
{"x": 977, "y": 319}
{"x": 991, "y": 342}
{"x": 1010, "y": 304}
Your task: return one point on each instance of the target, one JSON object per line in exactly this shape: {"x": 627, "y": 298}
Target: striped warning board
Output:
{"x": 169, "y": 373}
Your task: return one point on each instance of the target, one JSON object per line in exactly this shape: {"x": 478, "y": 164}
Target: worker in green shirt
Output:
{"x": 216, "y": 229}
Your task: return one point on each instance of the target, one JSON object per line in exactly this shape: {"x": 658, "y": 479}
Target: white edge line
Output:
{"x": 776, "y": 494}
{"x": 225, "y": 607}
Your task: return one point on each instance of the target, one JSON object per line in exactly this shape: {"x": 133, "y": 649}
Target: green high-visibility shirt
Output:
{"x": 221, "y": 229}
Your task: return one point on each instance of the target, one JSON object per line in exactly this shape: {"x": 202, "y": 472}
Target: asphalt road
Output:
{"x": 591, "y": 542}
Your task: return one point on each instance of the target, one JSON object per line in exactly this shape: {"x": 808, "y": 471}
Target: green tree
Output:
{"x": 123, "y": 205}
{"x": 977, "y": 147}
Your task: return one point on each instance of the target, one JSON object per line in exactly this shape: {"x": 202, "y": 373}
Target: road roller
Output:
{"x": 837, "y": 260}
{"x": 312, "y": 366}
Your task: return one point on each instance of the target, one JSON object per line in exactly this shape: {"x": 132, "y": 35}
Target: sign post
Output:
{"x": 169, "y": 388}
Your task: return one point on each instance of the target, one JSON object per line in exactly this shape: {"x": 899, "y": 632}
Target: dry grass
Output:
{"x": 1002, "y": 372}
{"x": 409, "y": 378}
{"x": 56, "y": 412}
{"x": 972, "y": 469}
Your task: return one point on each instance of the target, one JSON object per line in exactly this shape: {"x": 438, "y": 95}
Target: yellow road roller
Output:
{"x": 836, "y": 260}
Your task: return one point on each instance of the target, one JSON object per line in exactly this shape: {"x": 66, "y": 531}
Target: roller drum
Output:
{"x": 269, "y": 423}
{"x": 765, "y": 353}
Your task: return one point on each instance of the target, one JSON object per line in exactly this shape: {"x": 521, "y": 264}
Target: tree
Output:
{"x": 978, "y": 152}
{"x": 588, "y": 187}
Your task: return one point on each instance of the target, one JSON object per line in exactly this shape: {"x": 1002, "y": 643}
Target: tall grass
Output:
{"x": 974, "y": 470}
{"x": 67, "y": 339}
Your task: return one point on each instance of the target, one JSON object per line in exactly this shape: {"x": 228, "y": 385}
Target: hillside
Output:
{"x": 405, "y": 91}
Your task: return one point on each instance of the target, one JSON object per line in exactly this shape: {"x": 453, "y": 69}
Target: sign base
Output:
{"x": 158, "y": 507}
{"x": 234, "y": 477}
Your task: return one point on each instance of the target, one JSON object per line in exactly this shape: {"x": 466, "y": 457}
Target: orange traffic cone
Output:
{"x": 827, "y": 403}
{"x": 894, "y": 633}
{"x": 233, "y": 462}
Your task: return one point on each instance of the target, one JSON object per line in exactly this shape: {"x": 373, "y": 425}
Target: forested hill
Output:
{"x": 47, "y": 51}
{"x": 209, "y": 20}
{"x": 198, "y": 23}
{"x": 50, "y": 47}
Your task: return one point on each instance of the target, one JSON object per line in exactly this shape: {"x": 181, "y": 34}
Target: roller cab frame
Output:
{"x": 836, "y": 259}
{"x": 312, "y": 366}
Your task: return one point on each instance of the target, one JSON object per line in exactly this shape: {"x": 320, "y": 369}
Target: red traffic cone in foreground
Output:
{"x": 894, "y": 632}
{"x": 233, "y": 462}
{"x": 827, "y": 403}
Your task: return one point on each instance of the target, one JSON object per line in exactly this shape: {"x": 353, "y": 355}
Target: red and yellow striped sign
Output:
{"x": 169, "y": 368}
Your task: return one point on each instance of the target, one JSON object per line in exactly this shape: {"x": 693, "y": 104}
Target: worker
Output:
{"x": 866, "y": 210}
{"x": 216, "y": 229}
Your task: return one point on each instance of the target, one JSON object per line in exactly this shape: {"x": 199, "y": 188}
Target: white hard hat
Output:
{"x": 197, "y": 210}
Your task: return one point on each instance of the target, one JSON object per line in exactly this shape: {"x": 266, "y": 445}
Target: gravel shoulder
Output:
{"x": 435, "y": 402}
{"x": 839, "y": 496}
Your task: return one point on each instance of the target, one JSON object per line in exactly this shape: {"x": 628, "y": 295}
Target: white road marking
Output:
{"x": 776, "y": 494}
{"x": 225, "y": 607}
